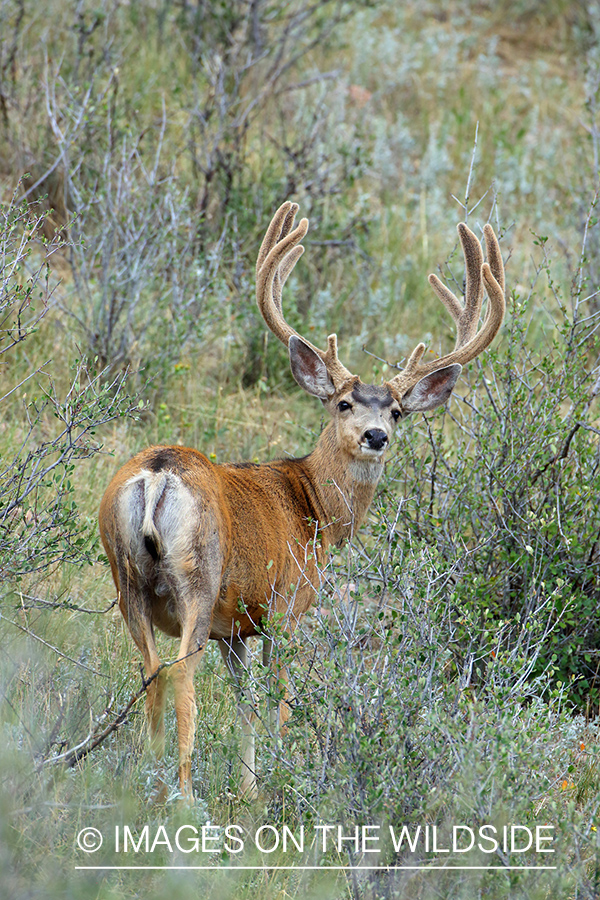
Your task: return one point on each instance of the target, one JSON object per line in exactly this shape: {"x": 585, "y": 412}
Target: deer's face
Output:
{"x": 365, "y": 416}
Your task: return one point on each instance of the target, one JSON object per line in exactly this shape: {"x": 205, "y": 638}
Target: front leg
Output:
{"x": 235, "y": 655}
{"x": 279, "y": 713}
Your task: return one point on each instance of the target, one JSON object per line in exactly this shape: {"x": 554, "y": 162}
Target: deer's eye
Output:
{"x": 395, "y": 414}
{"x": 344, "y": 405}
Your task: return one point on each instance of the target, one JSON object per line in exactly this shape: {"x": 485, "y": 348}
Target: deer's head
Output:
{"x": 365, "y": 415}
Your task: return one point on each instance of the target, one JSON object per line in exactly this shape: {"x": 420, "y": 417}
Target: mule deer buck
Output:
{"x": 203, "y": 551}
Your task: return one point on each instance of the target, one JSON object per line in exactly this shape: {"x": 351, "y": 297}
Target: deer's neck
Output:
{"x": 343, "y": 487}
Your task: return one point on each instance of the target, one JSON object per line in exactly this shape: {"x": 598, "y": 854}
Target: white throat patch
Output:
{"x": 367, "y": 471}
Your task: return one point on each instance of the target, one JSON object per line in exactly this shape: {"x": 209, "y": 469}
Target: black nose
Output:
{"x": 376, "y": 438}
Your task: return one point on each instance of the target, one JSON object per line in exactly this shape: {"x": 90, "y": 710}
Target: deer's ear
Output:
{"x": 431, "y": 391}
{"x": 309, "y": 370}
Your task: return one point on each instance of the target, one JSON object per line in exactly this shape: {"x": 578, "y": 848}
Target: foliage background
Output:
{"x": 449, "y": 672}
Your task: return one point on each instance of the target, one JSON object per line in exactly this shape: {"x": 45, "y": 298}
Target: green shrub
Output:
{"x": 505, "y": 493}
{"x": 47, "y": 431}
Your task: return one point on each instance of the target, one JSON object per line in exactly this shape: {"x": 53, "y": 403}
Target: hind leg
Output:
{"x": 137, "y": 614}
{"x": 197, "y": 621}
{"x": 155, "y": 715}
{"x": 155, "y": 701}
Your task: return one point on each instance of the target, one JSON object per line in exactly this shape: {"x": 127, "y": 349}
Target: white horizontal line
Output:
{"x": 326, "y": 868}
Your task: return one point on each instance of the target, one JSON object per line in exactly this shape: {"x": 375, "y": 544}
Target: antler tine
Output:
{"x": 467, "y": 316}
{"x": 494, "y": 257}
{"x": 494, "y": 263}
{"x": 279, "y": 252}
{"x": 281, "y": 225}
{"x": 469, "y": 341}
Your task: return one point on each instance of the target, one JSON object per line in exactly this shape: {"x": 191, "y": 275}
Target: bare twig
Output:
{"x": 71, "y": 757}
{"x": 38, "y": 602}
